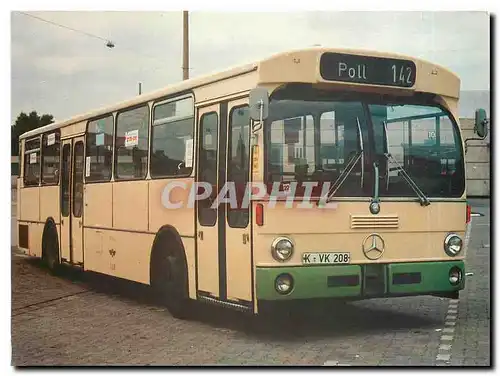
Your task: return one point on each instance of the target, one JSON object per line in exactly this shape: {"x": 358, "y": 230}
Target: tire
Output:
{"x": 169, "y": 280}
{"x": 50, "y": 253}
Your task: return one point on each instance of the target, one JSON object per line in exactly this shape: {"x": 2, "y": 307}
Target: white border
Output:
{"x": 256, "y": 5}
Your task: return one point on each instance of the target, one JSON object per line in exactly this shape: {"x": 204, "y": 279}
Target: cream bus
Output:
{"x": 345, "y": 167}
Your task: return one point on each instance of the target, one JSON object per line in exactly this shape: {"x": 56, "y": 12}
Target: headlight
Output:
{"x": 455, "y": 276}
{"x": 284, "y": 284}
{"x": 452, "y": 245}
{"x": 282, "y": 249}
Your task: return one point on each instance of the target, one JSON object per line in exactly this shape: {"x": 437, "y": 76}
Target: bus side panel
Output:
{"x": 189, "y": 247}
{"x": 73, "y": 129}
{"x": 18, "y": 200}
{"x": 35, "y": 239}
{"x": 20, "y": 183}
{"x": 97, "y": 211}
{"x": 119, "y": 253}
{"x": 94, "y": 256}
{"x": 226, "y": 87}
{"x": 30, "y": 204}
{"x": 131, "y": 260}
{"x": 130, "y": 205}
{"x": 49, "y": 203}
{"x": 183, "y": 218}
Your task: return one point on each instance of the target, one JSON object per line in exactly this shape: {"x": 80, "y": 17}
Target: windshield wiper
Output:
{"x": 376, "y": 190}
{"x": 349, "y": 167}
{"x": 424, "y": 201}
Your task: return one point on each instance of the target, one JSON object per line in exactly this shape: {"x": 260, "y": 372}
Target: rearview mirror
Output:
{"x": 259, "y": 104}
{"x": 481, "y": 123}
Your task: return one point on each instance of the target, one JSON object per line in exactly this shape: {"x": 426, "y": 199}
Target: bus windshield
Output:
{"x": 313, "y": 140}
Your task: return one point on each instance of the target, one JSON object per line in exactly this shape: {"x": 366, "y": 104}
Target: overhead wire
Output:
{"x": 108, "y": 41}
{"x": 122, "y": 47}
{"x": 66, "y": 27}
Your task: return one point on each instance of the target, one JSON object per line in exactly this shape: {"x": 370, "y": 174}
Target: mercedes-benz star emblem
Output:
{"x": 373, "y": 246}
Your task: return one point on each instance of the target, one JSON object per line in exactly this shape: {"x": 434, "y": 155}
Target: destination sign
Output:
{"x": 367, "y": 70}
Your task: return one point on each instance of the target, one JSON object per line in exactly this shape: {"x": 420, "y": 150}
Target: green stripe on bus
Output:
{"x": 434, "y": 276}
{"x": 309, "y": 282}
{"x": 336, "y": 281}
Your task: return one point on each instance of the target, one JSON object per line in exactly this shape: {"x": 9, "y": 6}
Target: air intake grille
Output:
{"x": 374, "y": 221}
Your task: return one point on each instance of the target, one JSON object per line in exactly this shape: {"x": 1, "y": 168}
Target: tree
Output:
{"x": 25, "y": 123}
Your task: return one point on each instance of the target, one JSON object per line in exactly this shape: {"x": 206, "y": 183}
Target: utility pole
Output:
{"x": 140, "y": 88}
{"x": 185, "y": 43}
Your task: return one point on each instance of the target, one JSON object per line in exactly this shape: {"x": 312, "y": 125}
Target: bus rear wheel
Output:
{"x": 50, "y": 252}
{"x": 170, "y": 283}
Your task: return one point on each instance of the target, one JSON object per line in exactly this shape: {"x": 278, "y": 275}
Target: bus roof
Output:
{"x": 180, "y": 87}
{"x": 275, "y": 69}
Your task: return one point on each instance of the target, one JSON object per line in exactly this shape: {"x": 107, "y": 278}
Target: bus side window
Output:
{"x": 238, "y": 163}
{"x": 99, "y": 149}
{"x": 78, "y": 179}
{"x": 50, "y": 158}
{"x": 32, "y": 162}
{"x": 132, "y": 135}
{"x": 65, "y": 180}
{"x": 172, "y": 138}
{"x": 208, "y": 166}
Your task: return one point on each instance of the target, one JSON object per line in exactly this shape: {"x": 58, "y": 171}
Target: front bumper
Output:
{"x": 361, "y": 281}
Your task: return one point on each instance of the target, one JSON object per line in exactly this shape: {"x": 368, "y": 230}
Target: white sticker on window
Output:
{"x": 132, "y": 138}
{"x": 51, "y": 139}
{"x": 33, "y": 158}
{"x": 99, "y": 139}
{"x": 87, "y": 166}
{"x": 188, "y": 154}
{"x": 208, "y": 139}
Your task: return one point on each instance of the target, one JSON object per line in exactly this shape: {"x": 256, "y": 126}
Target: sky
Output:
{"x": 65, "y": 73}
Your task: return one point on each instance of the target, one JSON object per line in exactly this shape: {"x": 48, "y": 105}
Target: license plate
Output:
{"x": 313, "y": 258}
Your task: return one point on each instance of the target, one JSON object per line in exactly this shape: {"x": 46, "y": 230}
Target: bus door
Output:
{"x": 223, "y": 235}
{"x": 237, "y": 224}
{"x": 65, "y": 196}
{"x": 77, "y": 202}
{"x": 207, "y": 251}
{"x": 72, "y": 166}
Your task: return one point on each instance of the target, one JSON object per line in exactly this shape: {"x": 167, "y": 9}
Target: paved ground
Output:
{"x": 471, "y": 345}
{"x": 92, "y": 320}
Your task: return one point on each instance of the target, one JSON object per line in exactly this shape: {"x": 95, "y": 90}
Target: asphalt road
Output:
{"x": 86, "y": 319}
